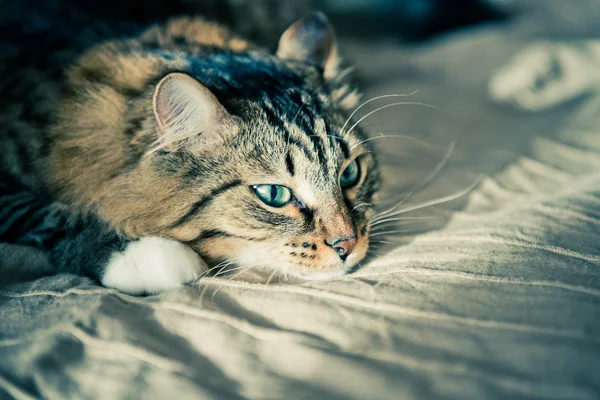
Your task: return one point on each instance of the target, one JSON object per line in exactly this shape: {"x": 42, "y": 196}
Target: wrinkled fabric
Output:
{"x": 497, "y": 297}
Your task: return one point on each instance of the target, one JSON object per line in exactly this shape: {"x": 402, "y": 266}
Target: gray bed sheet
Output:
{"x": 497, "y": 297}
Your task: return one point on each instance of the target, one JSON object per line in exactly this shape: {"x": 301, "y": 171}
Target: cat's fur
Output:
{"x": 132, "y": 169}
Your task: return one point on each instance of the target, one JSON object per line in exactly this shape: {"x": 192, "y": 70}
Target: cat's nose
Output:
{"x": 343, "y": 246}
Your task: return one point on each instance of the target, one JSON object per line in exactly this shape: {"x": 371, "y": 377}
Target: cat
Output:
{"x": 547, "y": 74}
{"x": 161, "y": 156}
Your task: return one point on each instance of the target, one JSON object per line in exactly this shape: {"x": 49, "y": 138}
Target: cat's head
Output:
{"x": 254, "y": 163}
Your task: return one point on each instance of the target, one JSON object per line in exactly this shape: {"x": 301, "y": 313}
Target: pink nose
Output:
{"x": 343, "y": 246}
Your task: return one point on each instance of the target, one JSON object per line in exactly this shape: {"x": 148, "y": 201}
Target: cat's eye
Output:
{"x": 350, "y": 176}
{"x": 273, "y": 195}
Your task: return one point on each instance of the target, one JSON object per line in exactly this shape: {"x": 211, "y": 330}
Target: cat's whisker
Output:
{"x": 375, "y": 254}
{"x": 400, "y": 103}
{"x": 222, "y": 266}
{"x": 271, "y": 277}
{"x": 375, "y": 223}
{"x": 386, "y": 214}
{"x": 399, "y": 231}
{"x": 361, "y": 205}
{"x": 244, "y": 269}
{"x": 372, "y": 100}
{"x": 424, "y": 182}
{"x": 223, "y": 269}
{"x": 203, "y": 291}
{"x": 439, "y": 200}
{"x": 391, "y": 224}
{"x": 356, "y": 269}
{"x": 201, "y": 275}
{"x": 389, "y": 137}
{"x": 208, "y": 271}
{"x": 248, "y": 268}
{"x": 378, "y": 244}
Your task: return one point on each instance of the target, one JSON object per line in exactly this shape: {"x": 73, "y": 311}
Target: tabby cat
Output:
{"x": 187, "y": 147}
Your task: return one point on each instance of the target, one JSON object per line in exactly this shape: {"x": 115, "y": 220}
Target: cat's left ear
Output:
{"x": 186, "y": 111}
{"x": 311, "y": 40}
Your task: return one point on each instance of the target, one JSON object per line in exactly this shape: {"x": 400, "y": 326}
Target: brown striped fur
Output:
{"x": 104, "y": 130}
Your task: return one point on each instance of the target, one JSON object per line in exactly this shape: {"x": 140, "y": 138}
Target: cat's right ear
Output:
{"x": 311, "y": 39}
{"x": 186, "y": 110}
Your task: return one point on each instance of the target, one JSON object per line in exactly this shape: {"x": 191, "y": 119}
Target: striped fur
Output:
{"x": 283, "y": 125}
{"x": 77, "y": 244}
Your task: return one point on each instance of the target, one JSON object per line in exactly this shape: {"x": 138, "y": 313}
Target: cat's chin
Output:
{"x": 248, "y": 269}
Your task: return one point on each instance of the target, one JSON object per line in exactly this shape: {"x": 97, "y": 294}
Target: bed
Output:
{"x": 495, "y": 294}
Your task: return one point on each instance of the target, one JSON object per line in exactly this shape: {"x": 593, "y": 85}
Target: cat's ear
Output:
{"x": 185, "y": 109}
{"x": 311, "y": 39}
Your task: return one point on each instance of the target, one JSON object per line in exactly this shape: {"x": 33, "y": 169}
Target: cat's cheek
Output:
{"x": 152, "y": 265}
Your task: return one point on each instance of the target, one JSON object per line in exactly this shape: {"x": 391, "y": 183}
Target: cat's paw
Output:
{"x": 544, "y": 75}
{"x": 152, "y": 265}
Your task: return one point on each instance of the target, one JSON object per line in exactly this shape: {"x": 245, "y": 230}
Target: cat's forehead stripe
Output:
{"x": 339, "y": 141}
{"x": 287, "y": 137}
{"x": 289, "y": 163}
{"x": 308, "y": 123}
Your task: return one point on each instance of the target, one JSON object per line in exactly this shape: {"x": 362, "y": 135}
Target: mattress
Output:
{"x": 494, "y": 294}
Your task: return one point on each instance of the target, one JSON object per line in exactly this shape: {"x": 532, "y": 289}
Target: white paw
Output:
{"x": 543, "y": 76}
{"x": 152, "y": 265}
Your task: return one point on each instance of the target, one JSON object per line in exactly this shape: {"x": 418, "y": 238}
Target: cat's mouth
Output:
{"x": 301, "y": 259}
{"x": 336, "y": 268}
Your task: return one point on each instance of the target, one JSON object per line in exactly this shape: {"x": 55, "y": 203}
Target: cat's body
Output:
{"x": 186, "y": 133}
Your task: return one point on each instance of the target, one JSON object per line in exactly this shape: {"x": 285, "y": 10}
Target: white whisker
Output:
{"x": 360, "y": 205}
{"x": 208, "y": 271}
{"x": 391, "y": 136}
{"x": 223, "y": 265}
{"x": 244, "y": 269}
{"x": 374, "y": 99}
{"x": 379, "y": 242}
{"x": 374, "y": 223}
{"x": 386, "y": 214}
{"x": 400, "y": 103}
{"x": 398, "y": 231}
{"x": 225, "y": 271}
{"x": 374, "y": 254}
{"x": 439, "y": 200}
{"x": 424, "y": 182}
{"x": 391, "y": 224}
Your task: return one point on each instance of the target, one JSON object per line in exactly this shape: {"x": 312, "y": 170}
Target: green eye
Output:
{"x": 350, "y": 176}
{"x": 273, "y": 195}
